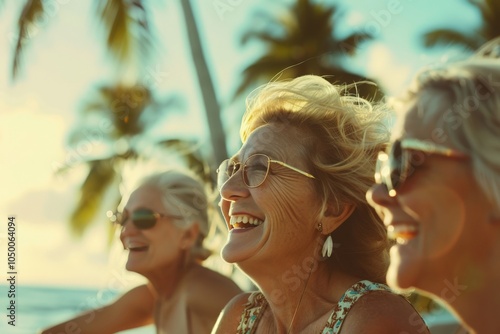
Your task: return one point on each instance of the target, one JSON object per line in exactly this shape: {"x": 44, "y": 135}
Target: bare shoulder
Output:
{"x": 383, "y": 312}
{"x": 208, "y": 290}
{"x": 230, "y": 316}
{"x": 203, "y": 279}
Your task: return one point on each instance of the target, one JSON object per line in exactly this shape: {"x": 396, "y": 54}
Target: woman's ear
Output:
{"x": 189, "y": 236}
{"x": 333, "y": 217}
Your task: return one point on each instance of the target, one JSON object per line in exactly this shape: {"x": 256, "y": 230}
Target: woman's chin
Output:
{"x": 242, "y": 244}
{"x": 133, "y": 267}
{"x": 405, "y": 268}
{"x": 233, "y": 254}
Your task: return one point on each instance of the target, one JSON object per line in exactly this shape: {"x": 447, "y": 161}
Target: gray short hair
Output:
{"x": 471, "y": 124}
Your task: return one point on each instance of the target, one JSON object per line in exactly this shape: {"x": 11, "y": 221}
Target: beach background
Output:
{"x": 39, "y": 307}
{"x": 58, "y": 273}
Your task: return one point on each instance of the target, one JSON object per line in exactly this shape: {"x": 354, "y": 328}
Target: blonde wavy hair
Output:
{"x": 472, "y": 122}
{"x": 342, "y": 136}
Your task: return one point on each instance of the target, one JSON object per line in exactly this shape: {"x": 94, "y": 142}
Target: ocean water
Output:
{"x": 38, "y": 307}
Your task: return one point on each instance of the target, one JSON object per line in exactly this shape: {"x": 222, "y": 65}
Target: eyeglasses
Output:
{"x": 254, "y": 172}
{"x": 142, "y": 219}
{"x": 404, "y": 157}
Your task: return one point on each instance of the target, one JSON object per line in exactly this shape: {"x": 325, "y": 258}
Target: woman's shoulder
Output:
{"x": 230, "y": 316}
{"x": 381, "y": 311}
{"x": 208, "y": 290}
{"x": 200, "y": 277}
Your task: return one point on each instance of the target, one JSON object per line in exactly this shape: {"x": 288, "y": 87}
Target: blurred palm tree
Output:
{"x": 129, "y": 40}
{"x": 299, "y": 41}
{"x": 111, "y": 135}
{"x": 490, "y": 28}
{"x": 111, "y": 131}
{"x": 127, "y": 30}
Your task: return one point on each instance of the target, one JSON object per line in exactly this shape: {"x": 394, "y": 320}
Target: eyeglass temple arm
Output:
{"x": 292, "y": 168}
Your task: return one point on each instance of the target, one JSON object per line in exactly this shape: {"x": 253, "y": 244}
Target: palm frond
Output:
{"x": 448, "y": 36}
{"x": 267, "y": 37}
{"x": 123, "y": 105}
{"x": 127, "y": 29}
{"x": 304, "y": 44}
{"x": 92, "y": 192}
{"x": 351, "y": 44}
{"x": 27, "y": 30}
{"x": 490, "y": 12}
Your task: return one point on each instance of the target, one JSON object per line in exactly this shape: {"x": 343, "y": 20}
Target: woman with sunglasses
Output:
{"x": 163, "y": 226}
{"x": 439, "y": 189}
{"x": 293, "y": 198}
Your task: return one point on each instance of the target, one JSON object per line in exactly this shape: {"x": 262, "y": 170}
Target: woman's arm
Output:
{"x": 133, "y": 309}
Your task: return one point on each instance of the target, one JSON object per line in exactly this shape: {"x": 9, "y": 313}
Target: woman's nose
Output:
{"x": 378, "y": 196}
{"x": 234, "y": 187}
{"x": 128, "y": 228}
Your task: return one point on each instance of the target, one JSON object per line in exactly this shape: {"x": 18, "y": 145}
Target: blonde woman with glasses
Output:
{"x": 293, "y": 198}
{"x": 439, "y": 189}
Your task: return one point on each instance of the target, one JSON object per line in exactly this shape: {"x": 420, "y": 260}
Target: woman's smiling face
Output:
{"x": 155, "y": 248}
{"x": 434, "y": 215}
{"x": 274, "y": 219}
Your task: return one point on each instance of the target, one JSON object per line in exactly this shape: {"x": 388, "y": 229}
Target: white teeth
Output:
{"x": 243, "y": 219}
{"x": 132, "y": 244}
{"x": 402, "y": 233}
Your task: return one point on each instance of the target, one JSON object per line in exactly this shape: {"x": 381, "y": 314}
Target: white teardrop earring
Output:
{"x": 328, "y": 247}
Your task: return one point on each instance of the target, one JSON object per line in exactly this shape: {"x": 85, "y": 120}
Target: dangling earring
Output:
{"x": 328, "y": 247}
{"x": 320, "y": 227}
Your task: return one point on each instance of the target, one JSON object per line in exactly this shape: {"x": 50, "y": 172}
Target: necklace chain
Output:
{"x": 298, "y": 304}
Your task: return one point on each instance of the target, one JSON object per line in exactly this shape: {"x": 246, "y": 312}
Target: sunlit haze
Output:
{"x": 66, "y": 58}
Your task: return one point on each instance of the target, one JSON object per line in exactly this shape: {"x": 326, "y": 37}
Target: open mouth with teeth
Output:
{"x": 402, "y": 233}
{"x": 244, "y": 222}
{"x": 138, "y": 249}
{"x": 135, "y": 247}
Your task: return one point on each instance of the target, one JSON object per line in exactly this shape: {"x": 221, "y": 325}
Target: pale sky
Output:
{"x": 66, "y": 57}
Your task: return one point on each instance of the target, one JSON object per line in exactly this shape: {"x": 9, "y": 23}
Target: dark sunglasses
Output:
{"x": 142, "y": 219}
{"x": 404, "y": 157}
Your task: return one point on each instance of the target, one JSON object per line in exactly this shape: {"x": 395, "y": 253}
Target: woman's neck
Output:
{"x": 295, "y": 299}
{"x": 166, "y": 280}
{"x": 479, "y": 309}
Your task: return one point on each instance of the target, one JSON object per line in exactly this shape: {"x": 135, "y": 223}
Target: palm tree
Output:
{"x": 490, "y": 15}
{"x": 129, "y": 39}
{"x": 128, "y": 35}
{"x": 112, "y": 129}
{"x": 302, "y": 41}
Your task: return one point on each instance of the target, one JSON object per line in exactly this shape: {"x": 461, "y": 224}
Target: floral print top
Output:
{"x": 257, "y": 304}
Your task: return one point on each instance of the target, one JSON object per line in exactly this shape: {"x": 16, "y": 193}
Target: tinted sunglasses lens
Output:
{"x": 144, "y": 219}
{"x": 395, "y": 165}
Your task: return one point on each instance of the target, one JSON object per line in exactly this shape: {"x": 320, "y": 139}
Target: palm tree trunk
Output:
{"x": 217, "y": 135}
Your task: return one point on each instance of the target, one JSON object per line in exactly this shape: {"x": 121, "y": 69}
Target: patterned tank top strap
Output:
{"x": 254, "y": 309}
{"x": 346, "y": 302}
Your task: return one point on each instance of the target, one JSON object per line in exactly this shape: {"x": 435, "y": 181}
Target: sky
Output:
{"x": 66, "y": 57}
